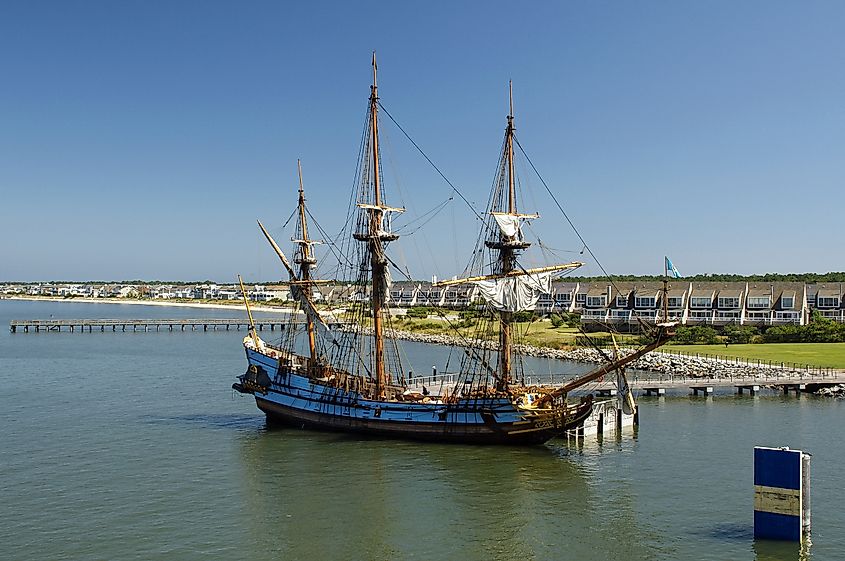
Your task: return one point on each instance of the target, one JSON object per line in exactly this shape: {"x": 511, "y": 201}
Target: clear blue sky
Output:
{"x": 142, "y": 139}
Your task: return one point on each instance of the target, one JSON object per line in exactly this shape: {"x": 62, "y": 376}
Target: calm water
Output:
{"x": 132, "y": 446}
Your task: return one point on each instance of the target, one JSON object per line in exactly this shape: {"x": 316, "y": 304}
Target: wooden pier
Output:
{"x": 134, "y": 325}
{"x": 644, "y": 383}
{"x": 784, "y": 381}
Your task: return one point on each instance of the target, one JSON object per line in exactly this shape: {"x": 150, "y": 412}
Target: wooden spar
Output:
{"x": 510, "y": 129}
{"x": 663, "y": 335}
{"x": 380, "y": 208}
{"x": 249, "y": 313}
{"x": 306, "y": 262}
{"x": 514, "y": 273}
{"x": 377, "y": 261}
{"x": 311, "y": 281}
{"x": 278, "y": 251}
{"x": 374, "y": 131}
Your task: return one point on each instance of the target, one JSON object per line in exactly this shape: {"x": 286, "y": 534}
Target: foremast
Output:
{"x": 304, "y": 257}
{"x": 302, "y": 282}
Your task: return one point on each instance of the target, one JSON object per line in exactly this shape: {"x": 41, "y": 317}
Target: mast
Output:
{"x": 509, "y": 133}
{"x": 377, "y": 261}
{"x": 305, "y": 260}
{"x": 506, "y": 256}
{"x": 374, "y": 231}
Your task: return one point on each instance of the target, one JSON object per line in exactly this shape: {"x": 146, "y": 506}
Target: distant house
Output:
{"x": 161, "y": 292}
{"x": 402, "y": 294}
{"x": 828, "y": 300}
{"x": 428, "y": 295}
{"x": 278, "y": 292}
{"x": 561, "y": 299}
{"x": 229, "y": 294}
{"x": 647, "y": 301}
{"x": 264, "y": 294}
{"x": 730, "y": 302}
{"x": 126, "y": 292}
{"x": 596, "y": 299}
{"x": 643, "y": 303}
{"x": 774, "y": 303}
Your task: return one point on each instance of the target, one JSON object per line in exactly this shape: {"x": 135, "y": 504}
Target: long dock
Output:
{"x": 787, "y": 381}
{"x": 102, "y": 325}
{"x": 783, "y": 381}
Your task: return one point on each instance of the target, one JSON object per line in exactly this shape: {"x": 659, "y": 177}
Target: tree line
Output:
{"x": 819, "y": 330}
{"x": 808, "y": 278}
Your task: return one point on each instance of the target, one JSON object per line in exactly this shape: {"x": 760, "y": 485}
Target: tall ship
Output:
{"x": 352, "y": 379}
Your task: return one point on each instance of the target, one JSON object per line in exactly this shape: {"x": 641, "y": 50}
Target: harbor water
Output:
{"x": 133, "y": 446}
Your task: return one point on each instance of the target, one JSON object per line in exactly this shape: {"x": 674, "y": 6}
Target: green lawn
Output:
{"x": 538, "y": 333}
{"x": 542, "y": 334}
{"x": 828, "y": 355}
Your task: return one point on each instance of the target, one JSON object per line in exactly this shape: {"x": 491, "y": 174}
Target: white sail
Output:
{"x": 508, "y": 223}
{"x": 517, "y": 293}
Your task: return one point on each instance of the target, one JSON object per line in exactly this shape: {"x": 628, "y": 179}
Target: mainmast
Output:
{"x": 377, "y": 260}
{"x": 376, "y": 236}
{"x": 509, "y": 136}
{"x": 306, "y": 260}
{"x": 507, "y": 246}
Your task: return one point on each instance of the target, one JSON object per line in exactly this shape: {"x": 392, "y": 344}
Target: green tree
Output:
{"x": 740, "y": 334}
{"x": 697, "y": 334}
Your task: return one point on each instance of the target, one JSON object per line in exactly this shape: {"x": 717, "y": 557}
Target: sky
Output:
{"x": 141, "y": 140}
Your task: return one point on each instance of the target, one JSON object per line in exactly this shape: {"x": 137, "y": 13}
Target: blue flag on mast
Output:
{"x": 671, "y": 270}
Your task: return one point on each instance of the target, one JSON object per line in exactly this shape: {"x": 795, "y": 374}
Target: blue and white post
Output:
{"x": 781, "y": 493}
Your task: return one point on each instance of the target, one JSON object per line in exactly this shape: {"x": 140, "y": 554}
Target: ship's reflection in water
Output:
{"x": 323, "y": 496}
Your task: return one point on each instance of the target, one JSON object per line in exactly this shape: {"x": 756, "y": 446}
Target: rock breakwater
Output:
{"x": 662, "y": 362}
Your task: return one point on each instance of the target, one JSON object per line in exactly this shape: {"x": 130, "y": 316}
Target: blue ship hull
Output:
{"x": 287, "y": 396}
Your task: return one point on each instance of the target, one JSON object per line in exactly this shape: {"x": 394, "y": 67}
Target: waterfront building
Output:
{"x": 776, "y": 303}
{"x": 828, "y": 299}
{"x": 625, "y": 305}
{"x": 706, "y": 303}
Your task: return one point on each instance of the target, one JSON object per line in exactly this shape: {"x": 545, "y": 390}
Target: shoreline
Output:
{"x": 134, "y": 302}
{"x": 663, "y": 362}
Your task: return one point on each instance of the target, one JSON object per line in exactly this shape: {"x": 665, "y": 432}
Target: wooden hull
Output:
{"x": 288, "y": 396}
{"x": 520, "y": 433}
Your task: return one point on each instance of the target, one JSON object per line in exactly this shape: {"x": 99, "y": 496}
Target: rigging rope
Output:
{"x": 566, "y": 216}
{"x": 424, "y": 155}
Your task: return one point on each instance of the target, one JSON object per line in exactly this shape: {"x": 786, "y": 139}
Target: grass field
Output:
{"x": 828, "y": 355}
{"x": 542, "y": 334}
{"x": 538, "y": 333}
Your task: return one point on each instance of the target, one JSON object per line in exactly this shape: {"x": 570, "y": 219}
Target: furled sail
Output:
{"x": 626, "y": 397}
{"x": 516, "y": 293}
{"x": 298, "y": 292}
{"x": 300, "y": 295}
{"x": 508, "y": 223}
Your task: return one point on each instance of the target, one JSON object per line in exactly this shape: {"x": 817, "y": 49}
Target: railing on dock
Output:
{"x": 809, "y": 369}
